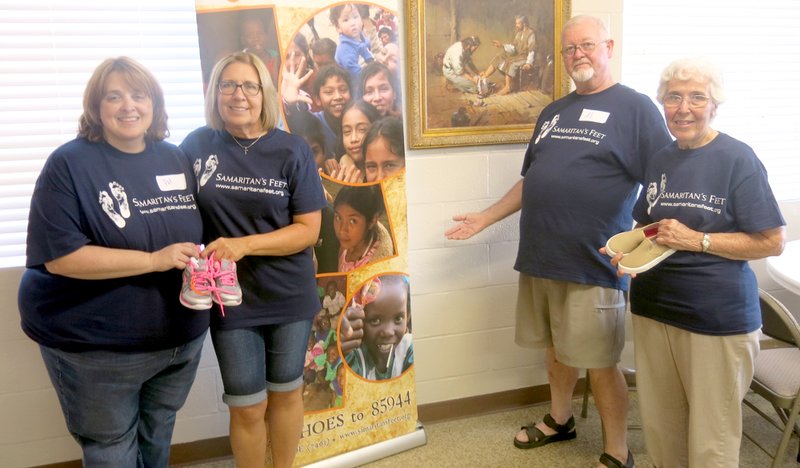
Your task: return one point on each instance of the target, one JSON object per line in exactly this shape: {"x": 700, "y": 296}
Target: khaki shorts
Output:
{"x": 584, "y": 324}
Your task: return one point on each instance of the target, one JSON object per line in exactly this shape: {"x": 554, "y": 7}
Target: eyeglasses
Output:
{"x": 585, "y": 47}
{"x": 248, "y": 87}
{"x": 695, "y": 101}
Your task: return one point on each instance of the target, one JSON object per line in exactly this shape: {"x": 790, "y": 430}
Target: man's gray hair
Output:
{"x": 601, "y": 25}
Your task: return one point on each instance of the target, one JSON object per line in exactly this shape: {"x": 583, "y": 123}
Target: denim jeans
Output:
{"x": 252, "y": 360}
{"x": 120, "y": 406}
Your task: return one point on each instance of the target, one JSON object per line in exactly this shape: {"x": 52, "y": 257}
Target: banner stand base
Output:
{"x": 374, "y": 452}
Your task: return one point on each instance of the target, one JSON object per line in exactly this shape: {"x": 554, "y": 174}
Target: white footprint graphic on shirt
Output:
{"x": 118, "y": 192}
{"x": 107, "y": 203}
{"x": 211, "y": 166}
{"x": 546, "y": 127}
{"x": 653, "y": 194}
{"x": 197, "y": 166}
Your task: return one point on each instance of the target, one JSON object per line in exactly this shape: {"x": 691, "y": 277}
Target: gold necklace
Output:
{"x": 245, "y": 148}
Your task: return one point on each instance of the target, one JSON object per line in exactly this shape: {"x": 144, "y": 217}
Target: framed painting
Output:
{"x": 478, "y": 72}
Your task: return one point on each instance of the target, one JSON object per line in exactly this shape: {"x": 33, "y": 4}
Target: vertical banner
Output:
{"x": 336, "y": 67}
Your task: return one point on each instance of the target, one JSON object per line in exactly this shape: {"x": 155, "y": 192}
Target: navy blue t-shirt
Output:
{"x": 93, "y": 194}
{"x": 581, "y": 172}
{"x": 255, "y": 193}
{"x": 720, "y": 187}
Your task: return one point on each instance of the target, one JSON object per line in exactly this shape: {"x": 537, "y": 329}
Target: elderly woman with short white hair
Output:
{"x": 696, "y": 313}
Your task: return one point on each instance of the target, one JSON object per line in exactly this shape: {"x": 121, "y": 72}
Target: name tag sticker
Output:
{"x": 171, "y": 182}
{"x": 589, "y": 115}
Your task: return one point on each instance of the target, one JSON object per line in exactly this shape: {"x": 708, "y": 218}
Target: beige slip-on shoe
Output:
{"x": 644, "y": 257}
{"x": 626, "y": 242}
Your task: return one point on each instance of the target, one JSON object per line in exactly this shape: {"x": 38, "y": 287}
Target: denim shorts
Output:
{"x": 260, "y": 359}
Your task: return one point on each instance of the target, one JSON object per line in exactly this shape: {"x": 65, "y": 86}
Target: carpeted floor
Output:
{"x": 486, "y": 441}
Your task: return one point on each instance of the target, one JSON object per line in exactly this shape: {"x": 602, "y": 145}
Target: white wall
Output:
{"x": 463, "y": 303}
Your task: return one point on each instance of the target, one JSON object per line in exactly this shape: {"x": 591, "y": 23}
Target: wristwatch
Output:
{"x": 706, "y": 243}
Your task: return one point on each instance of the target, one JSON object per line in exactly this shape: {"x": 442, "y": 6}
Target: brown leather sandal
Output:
{"x": 563, "y": 432}
{"x": 612, "y": 462}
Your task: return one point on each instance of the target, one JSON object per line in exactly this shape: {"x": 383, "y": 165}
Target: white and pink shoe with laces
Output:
{"x": 197, "y": 285}
{"x": 227, "y": 291}
{"x": 207, "y": 280}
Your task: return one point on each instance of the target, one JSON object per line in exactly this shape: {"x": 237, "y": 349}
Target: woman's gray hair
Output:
{"x": 698, "y": 68}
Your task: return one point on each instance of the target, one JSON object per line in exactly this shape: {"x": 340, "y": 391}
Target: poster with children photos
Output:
{"x": 359, "y": 374}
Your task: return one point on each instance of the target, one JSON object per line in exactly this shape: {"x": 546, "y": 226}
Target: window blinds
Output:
{"x": 48, "y": 50}
{"x": 758, "y": 48}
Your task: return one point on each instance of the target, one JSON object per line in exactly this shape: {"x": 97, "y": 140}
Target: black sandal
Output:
{"x": 612, "y": 462}
{"x": 563, "y": 432}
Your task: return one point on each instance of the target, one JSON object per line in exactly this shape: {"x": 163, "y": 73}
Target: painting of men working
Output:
{"x": 487, "y": 65}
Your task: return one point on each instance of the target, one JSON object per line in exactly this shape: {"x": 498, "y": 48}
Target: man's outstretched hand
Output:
{"x": 468, "y": 225}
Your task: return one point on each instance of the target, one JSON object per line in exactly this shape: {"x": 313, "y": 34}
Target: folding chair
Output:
{"x": 777, "y": 372}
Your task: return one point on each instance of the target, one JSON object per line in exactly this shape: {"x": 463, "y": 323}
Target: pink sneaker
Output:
{"x": 229, "y": 292}
{"x": 197, "y": 285}
{"x": 224, "y": 285}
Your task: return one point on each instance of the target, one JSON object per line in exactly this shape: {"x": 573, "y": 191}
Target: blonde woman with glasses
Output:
{"x": 261, "y": 209}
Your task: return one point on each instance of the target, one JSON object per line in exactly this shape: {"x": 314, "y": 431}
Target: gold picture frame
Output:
{"x": 442, "y": 114}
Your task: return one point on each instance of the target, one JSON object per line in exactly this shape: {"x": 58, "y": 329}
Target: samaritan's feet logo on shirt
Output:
{"x": 117, "y": 200}
{"x": 211, "y": 166}
{"x": 654, "y": 192}
{"x": 546, "y": 127}
{"x": 118, "y": 192}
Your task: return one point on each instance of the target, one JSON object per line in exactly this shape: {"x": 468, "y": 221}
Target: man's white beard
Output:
{"x": 582, "y": 74}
